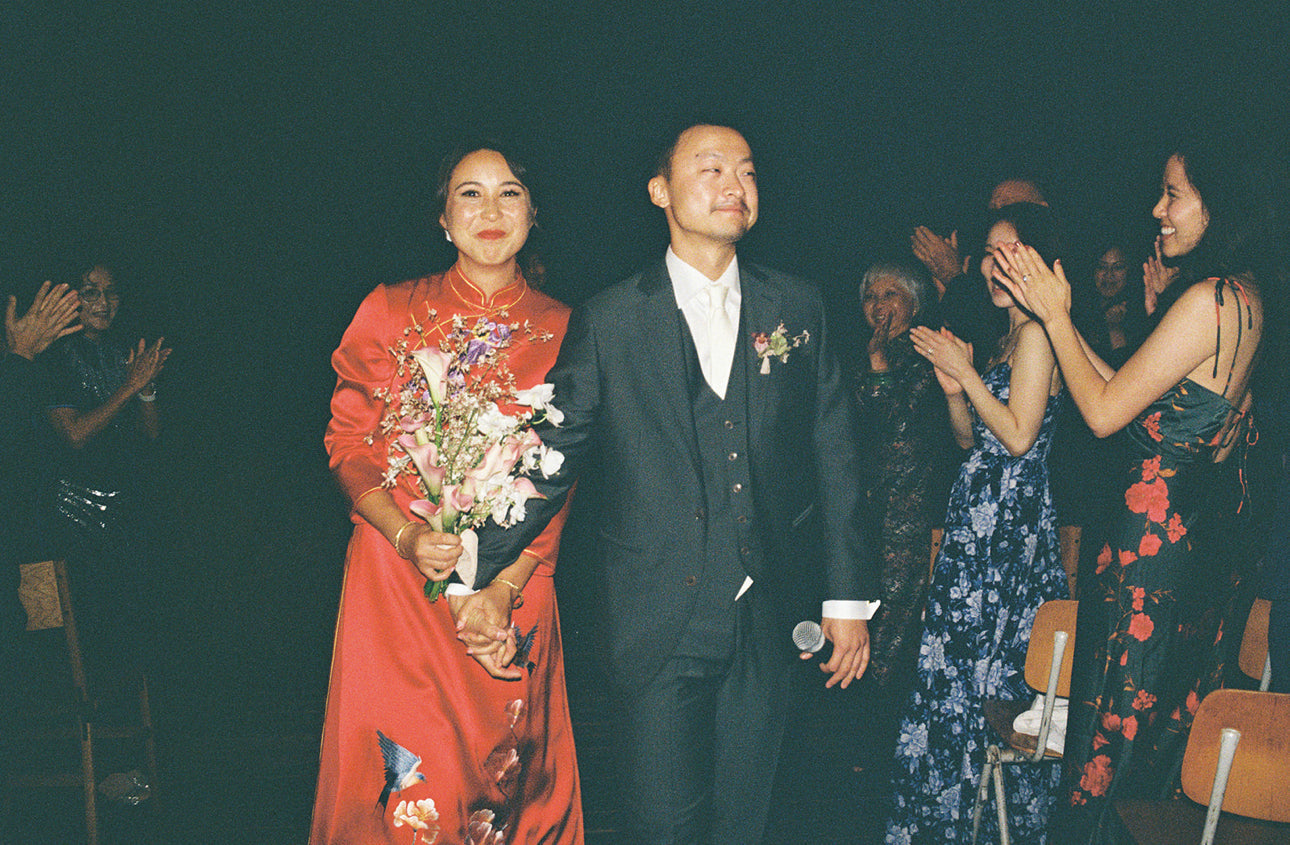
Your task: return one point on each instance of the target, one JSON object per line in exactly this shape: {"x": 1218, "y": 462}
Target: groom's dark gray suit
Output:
{"x": 780, "y": 446}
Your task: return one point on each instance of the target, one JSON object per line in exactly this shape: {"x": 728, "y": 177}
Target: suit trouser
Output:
{"x": 700, "y": 745}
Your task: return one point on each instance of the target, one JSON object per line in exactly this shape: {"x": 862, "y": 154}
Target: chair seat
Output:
{"x": 1180, "y": 822}
{"x": 1000, "y": 715}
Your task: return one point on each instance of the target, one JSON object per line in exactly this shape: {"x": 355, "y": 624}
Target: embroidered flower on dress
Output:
{"x": 1152, "y": 425}
{"x": 1144, "y": 700}
{"x": 421, "y": 817}
{"x": 480, "y": 831}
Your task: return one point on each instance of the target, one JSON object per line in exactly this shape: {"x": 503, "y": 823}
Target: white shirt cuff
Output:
{"x": 458, "y": 589}
{"x": 849, "y": 609}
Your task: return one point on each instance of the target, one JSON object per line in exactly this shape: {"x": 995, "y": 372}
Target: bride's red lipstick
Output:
{"x": 491, "y": 234}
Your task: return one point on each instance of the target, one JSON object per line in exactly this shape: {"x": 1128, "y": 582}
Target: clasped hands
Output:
{"x": 484, "y": 617}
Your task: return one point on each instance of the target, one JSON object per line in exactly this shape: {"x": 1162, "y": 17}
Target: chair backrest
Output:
{"x": 1259, "y": 783}
{"x": 47, "y": 598}
{"x": 1068, "y": 537}
{"x": 938, "y": 535}
{"x": 1052, "y": 616}
{"x": 1254, "y": 643}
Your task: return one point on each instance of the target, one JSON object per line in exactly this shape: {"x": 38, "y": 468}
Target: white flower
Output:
{"x": 537, "y": 397}
{"x": 550, "y": 461}
{"x": 495, "y": 425}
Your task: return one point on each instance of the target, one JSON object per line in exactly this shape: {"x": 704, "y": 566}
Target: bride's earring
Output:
{"x": 447, "y": 236}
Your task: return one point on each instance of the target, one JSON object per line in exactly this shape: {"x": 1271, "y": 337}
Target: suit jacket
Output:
{"x": 620, "y": 380}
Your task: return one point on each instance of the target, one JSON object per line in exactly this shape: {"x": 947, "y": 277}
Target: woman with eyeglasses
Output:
{"x": 103, "y": 411}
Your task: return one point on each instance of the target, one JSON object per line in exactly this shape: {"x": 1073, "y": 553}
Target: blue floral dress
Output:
{"x": 998, "y": 563}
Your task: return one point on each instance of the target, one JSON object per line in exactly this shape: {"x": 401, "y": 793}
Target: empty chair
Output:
{"x": 1251, "y": 787}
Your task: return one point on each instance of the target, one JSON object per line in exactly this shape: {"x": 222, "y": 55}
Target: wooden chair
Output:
{"x": 1049, "y": 657}
{"x": 46, "y": 595}
{"x": 1068, "y": 538}
{"x": 1254, "y": 659}
{"x": 1246, "y": 785}
{"x": 938, "y": 536}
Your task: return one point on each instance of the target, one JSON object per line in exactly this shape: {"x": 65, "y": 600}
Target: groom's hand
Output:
{"x": 484, "y": 626}
{"x": 850, "y": 638}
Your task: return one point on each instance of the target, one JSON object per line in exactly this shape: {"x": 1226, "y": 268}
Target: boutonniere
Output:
{"x": 776, "y": 345}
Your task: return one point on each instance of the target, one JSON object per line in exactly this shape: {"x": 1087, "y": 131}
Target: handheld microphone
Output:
{"x": 807, "y": 636}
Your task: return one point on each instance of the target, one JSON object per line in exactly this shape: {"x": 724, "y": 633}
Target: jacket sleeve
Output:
{"x": 576, "y": 378}
{"x": 849, "y": 561}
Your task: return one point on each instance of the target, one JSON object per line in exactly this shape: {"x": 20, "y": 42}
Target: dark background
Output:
{"x": 253, "y": 170}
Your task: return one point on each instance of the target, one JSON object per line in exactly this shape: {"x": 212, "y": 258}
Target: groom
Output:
{"x": 725, "y": 468}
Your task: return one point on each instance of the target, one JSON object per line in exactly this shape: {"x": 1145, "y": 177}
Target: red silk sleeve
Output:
{"x": 362, "y": 364}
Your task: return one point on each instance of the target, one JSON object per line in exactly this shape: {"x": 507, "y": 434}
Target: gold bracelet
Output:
{"x": 398, "y": 536}
{"x": 518, "y": 601}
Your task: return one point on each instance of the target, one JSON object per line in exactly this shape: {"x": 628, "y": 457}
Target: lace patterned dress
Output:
{"x": 998, "y": 563}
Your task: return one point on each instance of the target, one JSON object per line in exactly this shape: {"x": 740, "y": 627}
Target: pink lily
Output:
{"x": 434, "y": 363}
{"x": 426, "y": 458}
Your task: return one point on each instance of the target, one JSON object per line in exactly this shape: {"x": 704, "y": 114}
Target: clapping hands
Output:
{"x": 52, "y": 315}
{"x": 1156, "y": 277}
{"x": 951, "y": 358}
{"x": 1042, "y": 291}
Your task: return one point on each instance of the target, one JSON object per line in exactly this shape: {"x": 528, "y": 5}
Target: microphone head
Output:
{"x": 807, "y": 636}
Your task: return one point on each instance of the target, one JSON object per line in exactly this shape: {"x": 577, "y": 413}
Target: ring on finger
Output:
{"x": 1025, "y": 277}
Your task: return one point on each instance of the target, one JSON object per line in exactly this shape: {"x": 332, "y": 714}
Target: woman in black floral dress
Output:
{"x": 1149, "y": 627}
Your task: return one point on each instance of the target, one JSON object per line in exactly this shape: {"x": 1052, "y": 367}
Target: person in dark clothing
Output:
{"x": 22, "y": 382}
{"x": 103, "y": 410}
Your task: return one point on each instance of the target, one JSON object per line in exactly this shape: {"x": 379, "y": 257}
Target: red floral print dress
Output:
{"x": 1149, "y": 637}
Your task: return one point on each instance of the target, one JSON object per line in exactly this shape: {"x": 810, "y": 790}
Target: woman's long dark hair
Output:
{"x": 1235, "y": 184}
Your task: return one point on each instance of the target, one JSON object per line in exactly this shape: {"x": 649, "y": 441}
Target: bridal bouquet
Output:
{"x": 468, "y": 460}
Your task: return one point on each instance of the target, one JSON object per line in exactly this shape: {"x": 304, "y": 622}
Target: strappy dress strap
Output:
{"x": 1219, "y": 284}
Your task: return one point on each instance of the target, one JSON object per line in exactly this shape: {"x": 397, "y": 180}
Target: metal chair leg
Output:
{"x": 982, "y": 793}
{"x": 1001, "y": 799}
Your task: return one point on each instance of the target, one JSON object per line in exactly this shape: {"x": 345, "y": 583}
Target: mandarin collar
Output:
{"x": 468, "y": 292}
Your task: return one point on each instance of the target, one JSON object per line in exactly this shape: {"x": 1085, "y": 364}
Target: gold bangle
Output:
{"x": 516, "y": 602}
{"x": 398, "y": 537}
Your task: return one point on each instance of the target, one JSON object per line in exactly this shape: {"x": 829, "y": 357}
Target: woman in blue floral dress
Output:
{"x": 998, "y": 563}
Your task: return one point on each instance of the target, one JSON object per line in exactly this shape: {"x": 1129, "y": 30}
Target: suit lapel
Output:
{"x": 662, "y": 352}
{"x": 759, "y": 312}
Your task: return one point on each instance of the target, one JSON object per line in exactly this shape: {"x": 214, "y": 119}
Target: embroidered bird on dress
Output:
{"x": 523, "y": 646}
{"x": 400, "y": 768}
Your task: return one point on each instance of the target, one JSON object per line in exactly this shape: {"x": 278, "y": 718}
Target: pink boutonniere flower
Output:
{"x": 776, "y": 345}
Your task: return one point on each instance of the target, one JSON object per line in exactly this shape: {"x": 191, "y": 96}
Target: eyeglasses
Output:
{"x": 93, "y": 294}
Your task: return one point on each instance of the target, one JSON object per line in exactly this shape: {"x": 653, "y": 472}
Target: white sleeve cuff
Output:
{"x": 849, "y": 609}
{"x": 458, "y": 589}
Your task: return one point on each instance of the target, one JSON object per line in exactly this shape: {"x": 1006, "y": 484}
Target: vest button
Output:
{"x": 691, "y": 580}
{"x": 699, "y": 514}
{"x": 729, "y": 424}
{"x": 736, "y": 487}
{"x": 745, "y": 551}
{"x": 741, "y": 519}
{"x": 733, "y": 456}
